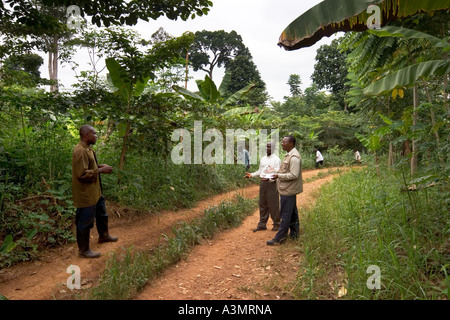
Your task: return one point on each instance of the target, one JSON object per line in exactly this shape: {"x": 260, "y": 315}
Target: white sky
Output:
{"x": 258, "y": 22}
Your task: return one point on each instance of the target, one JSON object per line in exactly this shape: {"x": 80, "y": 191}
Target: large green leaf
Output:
{"x": 392, "y": 31}
{"x": 225, "y": 84}
{"x": 408, "y": 76}
{"x": 187, "y": 94}
{"x": 239, "y": 111}
{"x": 208, "y": 89}
{"x": 238, "y": 95}
{"x": 371, "y": 143}
{"x": 8, "y": 245}
{"x": 331, "y": 16}
{"x": 139, "y": 87}
{"x": 118, "y": 79}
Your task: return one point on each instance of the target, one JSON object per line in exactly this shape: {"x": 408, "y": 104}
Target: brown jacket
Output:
{"x": 289, "y": 180}
{"x": 86, "y": 186}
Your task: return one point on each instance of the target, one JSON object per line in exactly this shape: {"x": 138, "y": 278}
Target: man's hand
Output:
{"x": 275, "y": 176}
{"x": 248, "y": 175}
{"x": 104, "y": 168}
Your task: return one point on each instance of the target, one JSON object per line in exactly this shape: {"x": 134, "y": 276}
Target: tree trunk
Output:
{"x": 407, "y": 148}
{"x": 124, "y": 146}
{"x": 53, "y": 62}
{"x": 377, "y": 165}
{"x": 391, "y": 156}
{"x": 433, "y": 118}
{"x": 445, "y": 87}
{"x": 109, "y": 131}
{"x": 415, "y": 148}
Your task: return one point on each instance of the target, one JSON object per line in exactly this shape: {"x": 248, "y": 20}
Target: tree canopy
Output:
{"x": 108, "y": 13}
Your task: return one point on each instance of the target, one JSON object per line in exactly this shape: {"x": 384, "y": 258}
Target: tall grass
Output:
{"x": 128, "y": 272}
{"x": 361, "y": 220}
{"x": 151, "y": 183}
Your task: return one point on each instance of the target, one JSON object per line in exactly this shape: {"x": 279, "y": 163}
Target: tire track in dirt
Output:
{"x": 237, "y": 263}
{"x": 46, "y": 278}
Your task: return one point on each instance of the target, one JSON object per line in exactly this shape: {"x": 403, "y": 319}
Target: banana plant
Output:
{"x": 128, "y": 89}
{"x": 208, "y": 92}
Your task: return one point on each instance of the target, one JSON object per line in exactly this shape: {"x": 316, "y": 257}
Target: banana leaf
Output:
{"x": 208, "y": 89}
{"x": 187, "y": 94}
{"x": 331, "y": 16}
{"x": 408, "y": 76}
{"x": 392, "y": 31}
{"x": 371, "y": 143}
{"x": 238, "y": 95}
{"x": 225, "y": 84}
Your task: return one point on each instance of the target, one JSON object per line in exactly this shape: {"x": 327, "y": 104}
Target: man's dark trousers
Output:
{"x": 268, "y": 203}
{"x": 289, "y": 218}
{"x": 85, "y": 217}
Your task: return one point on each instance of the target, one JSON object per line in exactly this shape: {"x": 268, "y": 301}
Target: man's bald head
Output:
{"x": 88, "y": 134}
{"x": 85, "y": 130}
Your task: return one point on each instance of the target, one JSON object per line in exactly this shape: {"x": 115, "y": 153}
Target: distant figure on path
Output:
{"x": 289, "y": 183}
{"x": 244, "y": 158}
{"x": 319, "y": 158}
{"x": 269, "y": 203}
{"x": 357, "y": 156}
{"x": 87, "y": 193}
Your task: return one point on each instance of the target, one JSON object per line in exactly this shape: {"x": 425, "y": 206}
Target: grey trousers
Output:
{"x": 269, "y": 203}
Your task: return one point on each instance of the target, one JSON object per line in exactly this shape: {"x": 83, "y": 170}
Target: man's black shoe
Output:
{"x": 259, "y": 229}
{"x": 273, "y": 242}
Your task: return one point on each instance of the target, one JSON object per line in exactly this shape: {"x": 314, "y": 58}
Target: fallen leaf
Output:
{"x": 342, "y": 292}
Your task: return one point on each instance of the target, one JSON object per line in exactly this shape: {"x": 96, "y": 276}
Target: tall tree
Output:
{"x": 243, "y": 72}
{"x": 51, "y": 39}
{"x": 330, "y": 71}
{"x": 23, "y": 69}
{"x": 294, "y": 83}
{"x": 213, "y": 49}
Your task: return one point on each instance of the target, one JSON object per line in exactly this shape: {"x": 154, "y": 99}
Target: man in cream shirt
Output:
{"x": 289, "y": 183}
{"x": 268, "y": 193}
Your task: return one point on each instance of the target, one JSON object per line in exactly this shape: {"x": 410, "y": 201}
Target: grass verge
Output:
{"x": 363, "y": 226}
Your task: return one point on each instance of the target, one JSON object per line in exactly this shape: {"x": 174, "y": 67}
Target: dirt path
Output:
{"x": 236, "y": 264}
{"x": 233, "y": 254}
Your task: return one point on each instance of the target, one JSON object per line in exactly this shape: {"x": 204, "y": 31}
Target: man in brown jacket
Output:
{"x": 289, "y": 184}
{"x": 87, "y": 193}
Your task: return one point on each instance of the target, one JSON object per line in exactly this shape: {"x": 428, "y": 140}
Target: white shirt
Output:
{"x": 268, "y": 166}
{"x": 319, "y": 156}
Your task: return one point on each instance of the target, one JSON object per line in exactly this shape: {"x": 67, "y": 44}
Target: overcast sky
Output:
{"x": 259, "y": 23}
